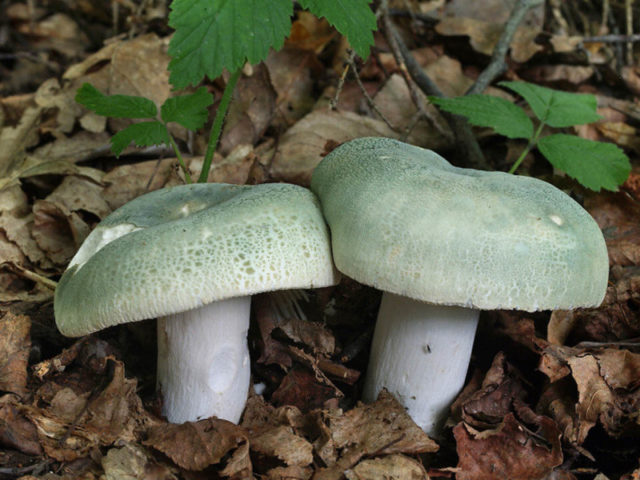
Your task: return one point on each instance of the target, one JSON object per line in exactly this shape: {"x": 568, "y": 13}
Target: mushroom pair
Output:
{"x": 192, "y": 255}
{"x": 443, "y": 243}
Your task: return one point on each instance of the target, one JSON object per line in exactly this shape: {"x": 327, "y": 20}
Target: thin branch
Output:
{"x": 612, "y": 38}
{"x": 400, "y": 50}
{"x": 370, "y": 102}
{"x": 333, "y": 104}
{"x": 497, "y": 65}
{"x": 465, "y": 139}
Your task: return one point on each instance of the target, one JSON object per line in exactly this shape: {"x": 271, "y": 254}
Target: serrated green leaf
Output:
{"x": 352, "y": 18}
{"x": 212, "y": 35}
{"x": 487, "y": 111}
{"x": 190, "y": 111}
{"x": 116, "y": 106}
{"x": 595, "y": 165}
{"x": 556, "y": 108}
{"x": 144, "y": 134}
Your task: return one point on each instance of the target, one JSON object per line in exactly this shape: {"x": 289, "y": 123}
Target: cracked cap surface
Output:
{"x": 406, "y": 221}
{"x": 181, "y": 247}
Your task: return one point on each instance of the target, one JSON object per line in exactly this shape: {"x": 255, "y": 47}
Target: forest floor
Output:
{"x": 549, "y": 395}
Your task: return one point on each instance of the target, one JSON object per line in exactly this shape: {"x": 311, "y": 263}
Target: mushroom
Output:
{"x": 443, "y": 243}
{"x": 193, "y": 255}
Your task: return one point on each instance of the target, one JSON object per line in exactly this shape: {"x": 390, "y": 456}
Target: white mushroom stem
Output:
{"x": 203, "y": 361}
{"x": 420, "y": 353}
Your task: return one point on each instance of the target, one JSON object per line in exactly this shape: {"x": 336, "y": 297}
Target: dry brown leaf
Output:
{"x": 16, "y": 221}
{"x": 290, "y": 71}
{"x": 51, "y": 96}
{"x": 79, "y": 147}
{"x": 447, "y": 73}
{"x": 617, "y": 215}
{"x": 250, "y": 113}
{"x": 126, "y": 182}
{"x": 282, "y": 443}
{"x": 15, "y": 344}
{"x": 308, "y": 32}
{"x": 132, "y": 462}
{"x": 623, "y": 134}
{"x": 304, "y": 390}
{"x": 15, "y": 141}
{"x": 60, "y": 220}
{"x": 574, "y": 74}
{"x": 272, "y": 351}
{"x": 501, "y": 389}
{"x": 509, "y": 451}
{"x": 57, "y": 32}
{"x": 608, "y": 390}
{"x": 390, "y": 467}
{"x": 497, "y": 11}
{"x": 616, "y": 319}
{"x": 484, "y": 36}
{"x": 16, "y": 432}
{"x": 558, "y": 401}
{"x": 234, "y": 168}
{"x": 289, "y": 473}
{"x": 380, "y": 428}
{"x": 631, "y": 76}
{"x": 302, "y": 146}
{"x": 393, "y": 101}
{"x": 128, "y": 67}
{"x": 197, "y": 445}
{"x": 565, "y": 43}
{"x": 113, "y": 414}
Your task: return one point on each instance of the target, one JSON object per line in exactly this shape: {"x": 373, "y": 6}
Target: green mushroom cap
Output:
{"x": 406, "y": 221}
{"x": 182, "y": 247}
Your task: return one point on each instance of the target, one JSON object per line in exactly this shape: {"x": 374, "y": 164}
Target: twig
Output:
{"x": 20, "y": 471}
{"x": 465, "y": 139}
{"x": 497, "y": 65}
{"x": 400, "y": 52}
{"x": 333, "y": 104}
{"x": 370, "y": 102}
{"x": 612, "y": 38}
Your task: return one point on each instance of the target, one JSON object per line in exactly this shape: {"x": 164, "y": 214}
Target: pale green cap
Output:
{"x": 406, "y": 221}
{"x": 182, "y": 247}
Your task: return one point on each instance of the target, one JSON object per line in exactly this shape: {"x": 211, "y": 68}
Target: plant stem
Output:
{"x": 179, "y": 156}
{"x": 531, "y": 144}
{"x": 217, "y": 124}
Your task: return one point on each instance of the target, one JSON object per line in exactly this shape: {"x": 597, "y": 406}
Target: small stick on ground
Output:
{"x": 497, "y": 65}
{"x": 352, "y": 63}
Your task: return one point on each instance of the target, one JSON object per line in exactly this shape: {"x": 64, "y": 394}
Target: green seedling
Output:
{"x": 594, "y": 164}
{"x": 211, "y": 36}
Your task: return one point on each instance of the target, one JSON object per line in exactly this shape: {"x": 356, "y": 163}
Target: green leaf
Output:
{"x": 190, "y": 111}
{"x": 352, "y": 18}
{"x": 116, "y": 106}
{"x": 215, "y": 34}
{"x": 486, "y": 111}
{"x": 555, "y": 108}
{"x": 595, "y": 165}
{"x": 144, "y": 134}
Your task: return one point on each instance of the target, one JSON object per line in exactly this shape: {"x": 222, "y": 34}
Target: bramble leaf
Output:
{"x": 213, "y": 35}
{"x": 487, "y": 111}
{"x": 594, "y": 164}
{"x": 190, "y": 111}
{"x": 352, "y": 18}
{"x": 116, "y": 106}
{"x": 556, "y": 108}
{"x": 144, "y": 134}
